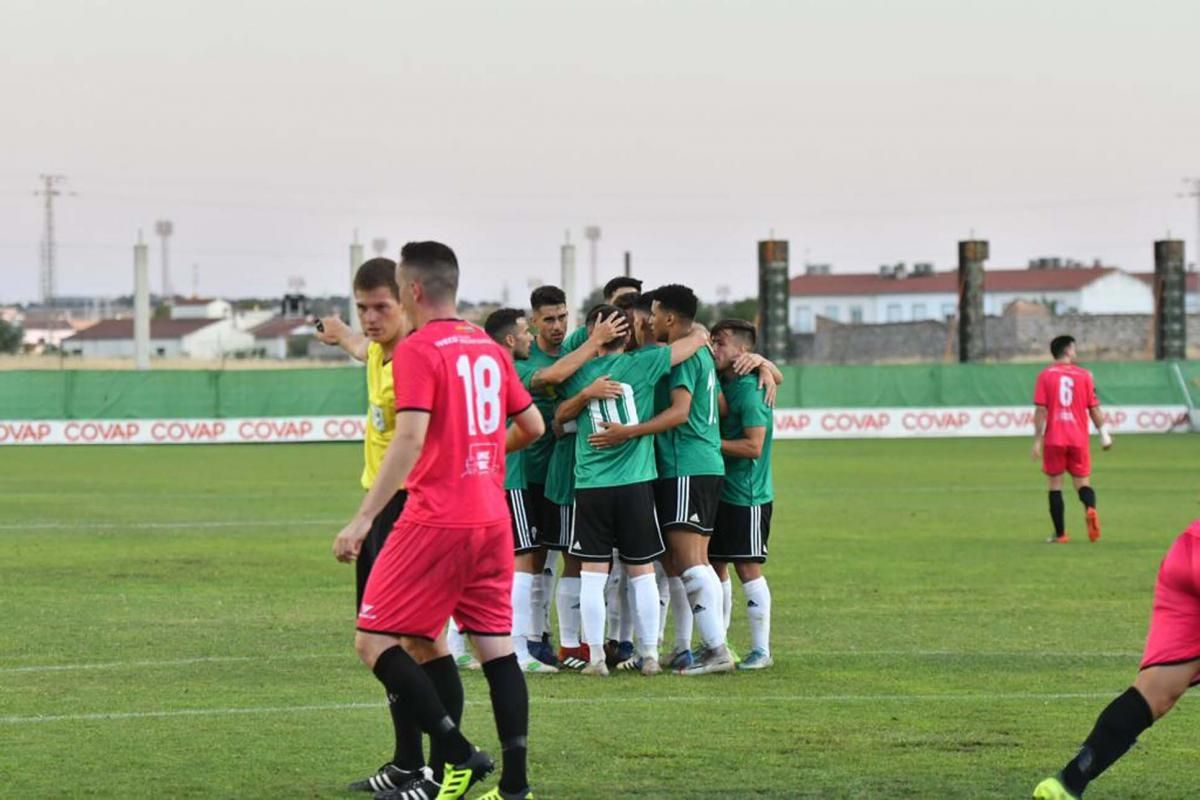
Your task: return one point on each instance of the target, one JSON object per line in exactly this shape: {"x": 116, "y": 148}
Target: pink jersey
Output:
{"x": 466, "y": 382}
{"x": 1067, "y": 392}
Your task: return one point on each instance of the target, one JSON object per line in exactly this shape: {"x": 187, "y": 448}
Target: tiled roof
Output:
{"x": 110, "y": 329}
{"x": 279, "y": 326}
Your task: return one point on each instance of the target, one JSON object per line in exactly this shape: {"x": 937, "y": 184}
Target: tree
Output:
{"x": 11, "y": 337}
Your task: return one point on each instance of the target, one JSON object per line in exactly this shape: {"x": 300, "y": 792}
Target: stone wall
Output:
{"x": 1008, "y": 338}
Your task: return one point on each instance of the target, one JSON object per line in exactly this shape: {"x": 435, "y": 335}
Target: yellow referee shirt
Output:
{"x": 381, "y": 411}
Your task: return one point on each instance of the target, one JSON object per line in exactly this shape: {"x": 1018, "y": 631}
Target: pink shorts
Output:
{"x": 1060, "y": 458}
{"x": 425, "y": 574}
{"x": 1174, "y": 635}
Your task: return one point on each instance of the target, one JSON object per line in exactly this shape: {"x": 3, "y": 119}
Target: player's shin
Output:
{"x": 567, "y": 601}
{"x": 443, "y": 674}
{"x": 522, "y": 605}
{"x": 591, "y": 611}
{"x": 704, "y": 594}
{"x": 1115, "y": 731}
{"x": 726, "y": 601}
{"x": 758, "y": 611}
{"x": 681, "y": 613}
{"x": 405, "y": 679}
{"x": 646, "y": 609}
{"x": 510, "y": 705}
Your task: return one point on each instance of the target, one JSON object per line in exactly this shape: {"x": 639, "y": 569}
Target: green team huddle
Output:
{"x": 652, "y": 480}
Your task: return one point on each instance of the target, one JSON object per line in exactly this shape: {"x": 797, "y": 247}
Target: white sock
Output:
{"x": 522, "y": 603}
{"x": 704, "y": 594}
{"x": 645, "y": 605}
{"x": 591, "y": 611}
{"x": 567, "y": 601}
{"x": 628, "y": 618}
{"x": 549, "y": 574}
{"x": 664, "y": 599}
{"x": 726, "y": 600}
{"x": 456, "y": 641}
{"x": 758, "y": 609}
{"x": 537, "y": 589}
{"x": 613, "y": 590}
{"x": 681, "y": 612}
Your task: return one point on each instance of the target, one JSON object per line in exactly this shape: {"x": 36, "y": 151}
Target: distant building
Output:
{"x": 283, "y": 337}
{"x": 896, "y": 295}
{"x": 1191, "y": 299}
{"x": 201, "y": 308}
{"x": 169, "y": 338}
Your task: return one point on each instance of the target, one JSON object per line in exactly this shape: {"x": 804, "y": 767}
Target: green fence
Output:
{"x": 209, "y": 394}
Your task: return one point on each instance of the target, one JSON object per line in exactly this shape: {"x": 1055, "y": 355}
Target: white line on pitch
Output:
{"x": 349, "y": 656}
{"x": 174, "y": 662}
{"x": 96, "y": 526}
{"x": 689, "y": 699}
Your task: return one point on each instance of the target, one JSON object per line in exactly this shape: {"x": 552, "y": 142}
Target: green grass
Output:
{"x": 927, "y": 643}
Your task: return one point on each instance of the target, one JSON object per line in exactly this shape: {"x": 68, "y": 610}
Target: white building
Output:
{"x": 870, "y": 298}
{"x": 191, "y": 338}
{"x": 200, "y": 308}
{"x": 273, "y": 336}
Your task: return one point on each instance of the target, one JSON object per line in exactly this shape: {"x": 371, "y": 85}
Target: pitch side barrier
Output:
{"x": 326, "y": 404}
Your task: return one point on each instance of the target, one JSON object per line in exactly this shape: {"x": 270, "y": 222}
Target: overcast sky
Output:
{"x": 862, "y": 131}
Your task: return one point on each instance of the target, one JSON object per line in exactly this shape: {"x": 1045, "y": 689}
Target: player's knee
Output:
{"x": 748, "y": 571}
{"x": 366, "y": 649}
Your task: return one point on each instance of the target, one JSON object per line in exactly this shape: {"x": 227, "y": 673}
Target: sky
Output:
{"x": 862, "y": 131}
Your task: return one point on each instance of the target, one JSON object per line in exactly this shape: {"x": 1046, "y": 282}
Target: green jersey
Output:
{"x": 693, "y": 448}
{"x": 560, "y": 477}
{"x": 516, "y": 465}
{"x": 537, "y": 455}
{"x": 633, "y": 460}
{"x": 747, "y": 480}
{"x": 575, "y": 339}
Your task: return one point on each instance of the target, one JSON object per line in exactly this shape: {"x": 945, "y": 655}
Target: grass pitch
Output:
{"x": 174, "y": 626}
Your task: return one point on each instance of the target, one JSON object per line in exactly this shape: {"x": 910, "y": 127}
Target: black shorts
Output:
{"x": 620, "y": 518}
{"x": 373, "y": 544}
{"x": 557, "y": 522}
{"x": 689, "y": 502}
{"x": 741, "y": 533}
{"x": 523, "y": 513}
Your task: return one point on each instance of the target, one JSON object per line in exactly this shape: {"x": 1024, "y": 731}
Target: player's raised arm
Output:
{"x": 332, "y": 331}
{"x": 686, "y": 347}
{"x": 603, "y": 332}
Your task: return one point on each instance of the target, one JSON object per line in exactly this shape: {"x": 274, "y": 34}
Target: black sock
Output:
{"x": 405, "y": 680}
{"x": 408, "y": 755}
{"x": 443, "y": 673}
{"x": 510, "y": 704}
{"x": 1087, "y": 496}
{"x": 1056, "y": 512}
{"x": 1116, "y": 730}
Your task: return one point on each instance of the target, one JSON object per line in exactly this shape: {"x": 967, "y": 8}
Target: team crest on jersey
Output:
{"x": 481, "y": 459}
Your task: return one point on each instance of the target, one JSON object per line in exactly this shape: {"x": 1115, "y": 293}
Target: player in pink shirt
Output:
{"x": 451, "y": 551}
{"x": 1170, "y": 665}
{"x": 1065, "y": 397}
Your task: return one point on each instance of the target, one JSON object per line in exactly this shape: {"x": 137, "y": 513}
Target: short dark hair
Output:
{"x": 376, "y": 273}
{"x": 547, "y": 296}
{"x": 502, "y": 322}
{"x": 1059, "y": 345}
{"x": 645, "y": 301}
{"x": 628, "y": 301}
{"x": 678, "y": 299}
{"x": 621, "y": 282}
{"x": 436, "y": 268}
{"x": 603, "y": 311}
{"x": 737, "y": 327}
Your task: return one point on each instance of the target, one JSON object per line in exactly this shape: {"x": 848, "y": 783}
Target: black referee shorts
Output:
{"x": 372, "y": 546}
